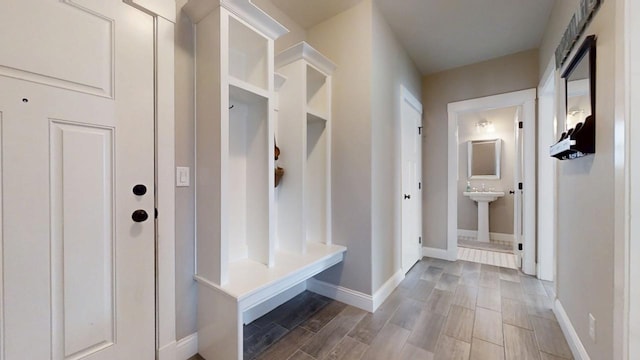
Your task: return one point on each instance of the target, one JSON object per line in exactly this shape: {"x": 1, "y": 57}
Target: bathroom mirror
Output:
{"x": 484, "y": 159}
{"x": 580, "y": 85}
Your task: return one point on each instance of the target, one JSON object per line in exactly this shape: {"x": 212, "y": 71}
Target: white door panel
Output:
{"x": 411, "y": 194}
{"x": 76, "y": 110}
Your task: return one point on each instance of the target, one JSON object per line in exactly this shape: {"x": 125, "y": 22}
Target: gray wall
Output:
{"x": 186, "y": 289}
{"x": 506, "y": 74}
{"x": 392, "y": 68}
{"x": 371, "y": 67}
{"x": 500, "y": 210}
{"x": 346, "y": 40}
{"x": 585, "y": 259}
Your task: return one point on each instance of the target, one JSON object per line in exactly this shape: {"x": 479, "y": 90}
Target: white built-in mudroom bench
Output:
{"x": 256, "y": 243}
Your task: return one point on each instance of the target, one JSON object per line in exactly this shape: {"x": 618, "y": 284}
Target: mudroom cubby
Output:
{"x": 304, "y": 134}
{"x": 242, "y": 270}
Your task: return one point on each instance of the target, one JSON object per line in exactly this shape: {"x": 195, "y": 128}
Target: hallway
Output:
{"x": 442, "y": 310}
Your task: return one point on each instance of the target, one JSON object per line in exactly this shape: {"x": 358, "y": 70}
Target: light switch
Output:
{"x": 182, "y": 176}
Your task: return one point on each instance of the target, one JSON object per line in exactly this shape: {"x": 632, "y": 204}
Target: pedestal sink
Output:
{"x": 483, "y": 199}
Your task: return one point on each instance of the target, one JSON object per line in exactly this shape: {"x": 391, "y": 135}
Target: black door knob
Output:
{"x": 139, "y": 190}
{"x": 139, "y": 215}
{"x": 407, "y": 196}
{"x": 511, "y": 192}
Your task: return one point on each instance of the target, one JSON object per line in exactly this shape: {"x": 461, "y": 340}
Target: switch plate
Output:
{"x": 182, "y": 176}
{"x": 592, "y": 327}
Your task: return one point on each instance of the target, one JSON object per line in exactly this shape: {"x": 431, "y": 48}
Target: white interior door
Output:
{"x": 77, "y": 134}
{"x": 518, "y": 228}
{"x": 411, "y": 184}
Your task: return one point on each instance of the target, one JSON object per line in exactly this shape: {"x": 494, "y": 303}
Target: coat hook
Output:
{"x": 231, "y": 107}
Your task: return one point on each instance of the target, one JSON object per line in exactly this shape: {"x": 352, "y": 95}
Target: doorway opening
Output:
{"x": 516, "y": 135}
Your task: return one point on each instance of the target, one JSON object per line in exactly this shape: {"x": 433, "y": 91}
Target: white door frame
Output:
{"x": 626, "y": 319}
{"x": 547, "y": 175}
{"x": 407, "y": 97}
{"x": 164, "y": 12}
{"x": 526, "y": 99}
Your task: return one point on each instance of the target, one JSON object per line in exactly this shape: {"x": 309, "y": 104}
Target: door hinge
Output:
{"x": 520, "y": 125}
{"x": 519, "y": 186}
{"x": 419, "y": 130}
{"x": 419, "y": 239}
{"x": 419, "y": 185}
{"x": 520, "y": 247}
{"x": 156, "y": 213}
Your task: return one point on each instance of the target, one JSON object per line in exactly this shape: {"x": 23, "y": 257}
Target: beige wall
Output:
{"x": 506, "y": 74}
{"x": 558, "y": 22}
{"x": 501, "y": 210}
{"x": 346, "y": 40}
{"x": 296, "y": 32}
{"x": 585, "y": 248}
{"x": 392, "y": 68}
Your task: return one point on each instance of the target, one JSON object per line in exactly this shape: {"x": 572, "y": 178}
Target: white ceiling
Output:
{"x": 444, "y": 34}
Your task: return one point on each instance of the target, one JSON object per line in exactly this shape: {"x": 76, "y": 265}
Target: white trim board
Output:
{"x": 526, "y": 99}
{"x": 577, "y": 349}
{"x": 165, "y": 182}
{"x": 342, "y": 294}
{"x": 492, "y": 236}
{"x": 187, "y": 347}
{"x": 443, "y": 254}
{"x": 355, "y": 298}
{"x": 387, "y": 288}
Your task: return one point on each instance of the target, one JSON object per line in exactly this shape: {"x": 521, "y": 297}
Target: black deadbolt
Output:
{"x": 139, "y": 189}
{"x": 139, "y": 216}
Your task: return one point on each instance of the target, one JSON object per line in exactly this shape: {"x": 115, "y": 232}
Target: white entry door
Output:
{"x": 411, "y": 148}
{"x": 77, "y": 134}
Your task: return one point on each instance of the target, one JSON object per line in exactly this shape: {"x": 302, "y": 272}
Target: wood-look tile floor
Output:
{"x": 442, "y": 310}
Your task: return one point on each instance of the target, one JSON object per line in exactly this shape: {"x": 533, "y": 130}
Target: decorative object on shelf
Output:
{"x": 279, "y": 175}
{"x": 576, "y": 27}
{"x": 579, "y": 138}
{"x": 276, "y": 150}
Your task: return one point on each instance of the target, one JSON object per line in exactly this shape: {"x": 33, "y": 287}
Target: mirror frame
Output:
{"x": 498, "y": 155}
{"x": 588, "y": 47}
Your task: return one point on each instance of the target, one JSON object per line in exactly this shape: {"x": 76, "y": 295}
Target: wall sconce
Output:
{"x": 485, "y": 125}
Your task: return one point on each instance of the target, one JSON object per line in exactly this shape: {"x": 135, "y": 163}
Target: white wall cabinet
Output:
{"x": 240, "y": 267}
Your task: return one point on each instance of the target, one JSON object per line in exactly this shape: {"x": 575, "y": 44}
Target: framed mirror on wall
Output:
{"x": 580, "y": 84}
{"x": 578, "y": 136}
{"x": 484, "y": 159}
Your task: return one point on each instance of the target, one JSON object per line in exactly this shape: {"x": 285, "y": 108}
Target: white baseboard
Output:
{"x": 168, "y": 352}
{"x": 342, "y": 294}
{"x": 492, "y": 235}
{"x": 438, "y": 253}
{"x": 387, "y": 288}
{"x": 187, "y": 347}
{"x": 266, "y": 306}
{"x": 578, "y": 350}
